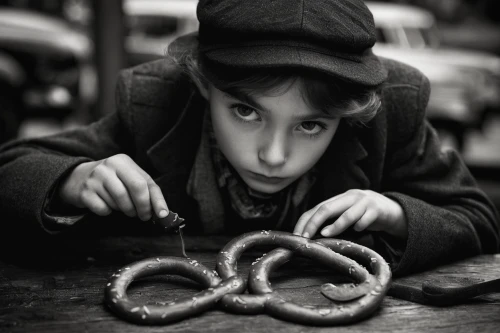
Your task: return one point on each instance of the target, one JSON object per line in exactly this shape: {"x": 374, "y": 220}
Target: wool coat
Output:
{"x": 158, "y": 121}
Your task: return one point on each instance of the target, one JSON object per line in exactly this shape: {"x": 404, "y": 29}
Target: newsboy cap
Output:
{"x": 330, "y": 36}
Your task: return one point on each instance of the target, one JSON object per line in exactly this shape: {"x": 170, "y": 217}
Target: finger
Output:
{"x": 138, "y": 189}
{"x": 302, "y": 222}
{"x": 366, "y": 220}
{"x": 348, "y": 218}
{"x": 120, "y": 195}
{"x": 158, "y": 202}
{"x": 106, "y": 197}
{"x": 96, "y": 205}
{"x": 160, "y": 207}
{"x": 327, "y": 211}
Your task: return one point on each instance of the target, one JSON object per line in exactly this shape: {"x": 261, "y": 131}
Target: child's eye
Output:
{"x": 244, "y": 113}
{"x": 312, "y": 128}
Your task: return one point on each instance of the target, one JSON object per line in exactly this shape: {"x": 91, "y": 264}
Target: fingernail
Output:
{"x": 163, "y": 213}
{"x": 296, "y": 233}
{"x": 325, "y": 233}
{"x": 306, "y": 235}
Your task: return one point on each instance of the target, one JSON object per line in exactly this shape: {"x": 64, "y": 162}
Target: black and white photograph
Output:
{"x": 249, "y": 166}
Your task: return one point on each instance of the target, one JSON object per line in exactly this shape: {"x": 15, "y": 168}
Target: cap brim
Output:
{"x": 367, "y": 70}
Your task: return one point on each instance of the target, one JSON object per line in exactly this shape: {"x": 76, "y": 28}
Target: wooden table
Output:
{"x": 60, "y": 289}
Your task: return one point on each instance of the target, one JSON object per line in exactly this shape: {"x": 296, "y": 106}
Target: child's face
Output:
{"x": 270, "y": 140}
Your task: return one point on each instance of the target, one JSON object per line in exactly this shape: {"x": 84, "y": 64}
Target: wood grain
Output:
{"x": 60, "y": 289}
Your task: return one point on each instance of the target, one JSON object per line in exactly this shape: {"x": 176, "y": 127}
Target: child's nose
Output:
{"x": 273, "y": 151}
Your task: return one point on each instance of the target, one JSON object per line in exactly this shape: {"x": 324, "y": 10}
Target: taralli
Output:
{"x": 366, "y": 257}
{"x": 352, "y": 301}
{"x": 358, "y": 300}
{"x": 117, "y": 300}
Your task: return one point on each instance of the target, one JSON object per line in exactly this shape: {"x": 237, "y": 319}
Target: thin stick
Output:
{"x": 182, "y": 241}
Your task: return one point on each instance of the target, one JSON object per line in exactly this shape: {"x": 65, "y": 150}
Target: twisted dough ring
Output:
{"x": 116, "y": 297}
{"x": 362, "y": 299}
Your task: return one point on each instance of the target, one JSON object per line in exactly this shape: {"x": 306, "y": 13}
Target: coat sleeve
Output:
{"x": 449, "y": 217}
{"x": 30, "y": 168}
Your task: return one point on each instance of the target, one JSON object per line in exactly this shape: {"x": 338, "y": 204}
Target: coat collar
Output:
{"x": 180, "y": 143}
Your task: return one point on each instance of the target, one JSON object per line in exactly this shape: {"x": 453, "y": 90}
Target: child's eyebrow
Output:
{"x": 314, "y": 116}
{"x": 248, "y": 99}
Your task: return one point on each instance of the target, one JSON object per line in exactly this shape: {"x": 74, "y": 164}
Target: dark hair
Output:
{"x": 356, "y": 103}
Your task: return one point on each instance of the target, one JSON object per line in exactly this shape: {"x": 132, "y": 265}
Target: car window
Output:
{"x": 421, "y": 37}
{"x": 391, "y": 35}
{"x": 379, "y": 34}
{"x": 150, "y": 25}
{"x": 416, "y": 38}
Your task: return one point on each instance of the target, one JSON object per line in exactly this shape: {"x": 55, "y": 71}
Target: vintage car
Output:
{"x": 45, "y": 69}
{"x": 151, "y": 25}
{"x": 410, "y": 34}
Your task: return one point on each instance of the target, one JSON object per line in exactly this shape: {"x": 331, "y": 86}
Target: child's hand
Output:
{"x": 114, "y": 183}
{"x": 364, "y": 209}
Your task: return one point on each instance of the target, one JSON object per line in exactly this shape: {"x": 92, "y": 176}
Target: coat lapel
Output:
{"x": 341, "y": 165}
{"x": 173, "y": 155}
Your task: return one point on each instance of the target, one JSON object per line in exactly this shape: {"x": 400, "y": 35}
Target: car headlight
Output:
{"x": 58, "y": 97}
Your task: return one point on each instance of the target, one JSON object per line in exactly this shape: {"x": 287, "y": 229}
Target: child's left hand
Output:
{"x": 364, "y": 209}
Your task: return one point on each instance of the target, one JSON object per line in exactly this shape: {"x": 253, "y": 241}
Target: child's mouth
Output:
{"x": 266, "y": 179}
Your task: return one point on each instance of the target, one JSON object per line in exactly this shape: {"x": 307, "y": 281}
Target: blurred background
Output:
{"x": 59, "y": 60}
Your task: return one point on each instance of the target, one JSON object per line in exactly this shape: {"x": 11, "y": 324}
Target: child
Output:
{"x": 275, "y": 115}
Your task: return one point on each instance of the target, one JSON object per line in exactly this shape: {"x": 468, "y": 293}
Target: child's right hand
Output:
{"x": 114, "y": 183}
